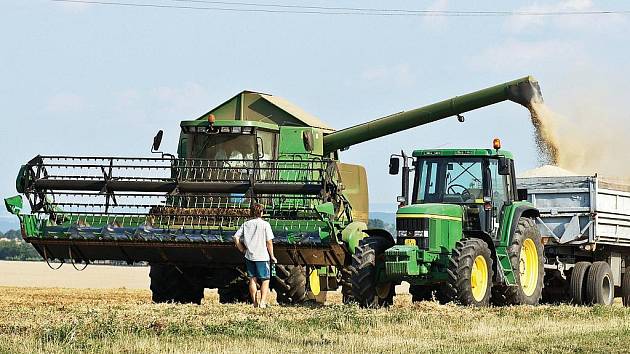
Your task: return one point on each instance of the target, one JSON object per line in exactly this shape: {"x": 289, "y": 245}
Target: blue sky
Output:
{"x": 101, "y": 80}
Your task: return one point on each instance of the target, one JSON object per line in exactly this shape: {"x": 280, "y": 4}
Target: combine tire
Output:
{"x": 578, "y": 282}
{"x": 526, "y": 257}
{"x": 421, "y": 293}
{"x": 600, "y": 287}
{"x": 625, "y": 289}
{"x": 469, "y": 274}
{"x": 171, "y": 284}
{"x": 290, "y": 284}
{"x": 365, "y": 289}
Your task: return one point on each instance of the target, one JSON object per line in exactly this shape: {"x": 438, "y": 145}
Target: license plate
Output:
{"x": 410, "y": 242}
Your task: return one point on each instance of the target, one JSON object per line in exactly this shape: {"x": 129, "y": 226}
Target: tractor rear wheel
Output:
{"x": 526, "y": 258}
{"x": 470, "y": 274}
{"x": 625, "y": 289}
{"x": 346, "y": 285}
{"x": 365, "y": 287}
{"x": 290, "y": 284}
{"x": 600, "y": 287}
{"x": 578, "y": 282}
{"x": 173, "y": 284}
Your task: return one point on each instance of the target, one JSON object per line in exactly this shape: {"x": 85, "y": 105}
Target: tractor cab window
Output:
{"x": 449, "y": 180}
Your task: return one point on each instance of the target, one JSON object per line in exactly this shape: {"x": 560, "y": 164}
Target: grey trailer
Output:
{"x": 585, "y": 224}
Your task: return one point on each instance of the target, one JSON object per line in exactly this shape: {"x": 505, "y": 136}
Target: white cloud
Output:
{"x": 65, "y": 103}
{"x": 517, "y": 55}
{"x": 565, "y": 22}
{"x": 436, "y": 22}
{"x": 400, "y": 74}
{"x": 74, "y": 7}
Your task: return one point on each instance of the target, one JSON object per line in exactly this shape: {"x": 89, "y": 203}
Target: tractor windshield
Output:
{"x": 448, "y": 180}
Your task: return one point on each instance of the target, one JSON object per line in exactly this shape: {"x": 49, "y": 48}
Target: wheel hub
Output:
{"x": 479, "y": 278}
{"x": 528, "y": 267}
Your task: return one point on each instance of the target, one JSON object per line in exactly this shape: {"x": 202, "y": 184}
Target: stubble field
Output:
{"x": 55, "y": 320}
{"x": 123, "y": 320}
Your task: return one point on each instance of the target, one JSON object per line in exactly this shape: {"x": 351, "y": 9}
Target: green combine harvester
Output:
{"x": 179, "y": 212}
{"x": 463, "y": 235}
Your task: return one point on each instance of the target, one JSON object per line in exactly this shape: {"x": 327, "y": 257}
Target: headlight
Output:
{"x": 402, "y": 233}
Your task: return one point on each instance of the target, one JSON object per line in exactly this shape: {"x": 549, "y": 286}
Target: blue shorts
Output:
{"x": 258, "y": 269}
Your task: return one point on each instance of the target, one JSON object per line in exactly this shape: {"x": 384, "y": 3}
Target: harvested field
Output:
{"x": 100, "y": 320}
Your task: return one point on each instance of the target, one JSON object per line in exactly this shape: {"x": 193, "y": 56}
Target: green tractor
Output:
{"x": 463, "y": 234}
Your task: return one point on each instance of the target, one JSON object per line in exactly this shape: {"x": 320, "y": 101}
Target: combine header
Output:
{"x": 179, "y": 212}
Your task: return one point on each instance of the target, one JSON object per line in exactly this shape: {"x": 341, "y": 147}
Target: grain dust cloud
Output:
{"x": 590, "y": 140}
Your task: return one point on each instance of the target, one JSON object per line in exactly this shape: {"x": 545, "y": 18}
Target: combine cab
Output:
{"x": 179, "y": 213}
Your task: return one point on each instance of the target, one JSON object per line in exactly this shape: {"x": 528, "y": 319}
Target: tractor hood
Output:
{"x": 431, "y": 210}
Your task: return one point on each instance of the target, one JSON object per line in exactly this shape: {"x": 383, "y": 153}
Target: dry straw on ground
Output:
{"x": 73, "y": 320}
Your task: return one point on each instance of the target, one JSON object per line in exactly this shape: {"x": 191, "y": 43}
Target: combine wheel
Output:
{"x": 290, "y": 284}
{"x": 578, "y": 282}
{"x": 421, "y": 293}
{"x": 365, "y": 289}
{"x": 526, "y": 257}
{"x": 625, "y": 289}
{"x": 235, "y": 291}
{"x": 600, "y": 287}
{"x": 173, "y": 284}
{"x": 469, "y": 274}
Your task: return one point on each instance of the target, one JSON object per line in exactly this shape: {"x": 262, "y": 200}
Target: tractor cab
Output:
{"x": 474, "y": 184}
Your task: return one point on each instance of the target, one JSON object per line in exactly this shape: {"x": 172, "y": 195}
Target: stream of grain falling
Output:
{"x": 588, "y": 143}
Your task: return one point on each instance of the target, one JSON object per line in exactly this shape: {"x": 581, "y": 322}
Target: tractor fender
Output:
{"x": 353, "y": 233}
{"x": 525, "y": 210}
{"x": 381, "y": 233}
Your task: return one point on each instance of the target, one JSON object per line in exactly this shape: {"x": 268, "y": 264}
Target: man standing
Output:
{"x": 254, "y": 240}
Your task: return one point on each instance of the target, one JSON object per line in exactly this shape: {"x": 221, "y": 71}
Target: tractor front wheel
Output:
{"x": 173, "y": 284}
{"x": 365, "y": 287}
{"x": 470, "y": 274}
{"x": 526, "y": 258}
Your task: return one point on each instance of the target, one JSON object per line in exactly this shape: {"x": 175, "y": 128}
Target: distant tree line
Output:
{"x": 380, "y": 224}
{"x": 15, "y": 249}
{"x": 11, "y": 235}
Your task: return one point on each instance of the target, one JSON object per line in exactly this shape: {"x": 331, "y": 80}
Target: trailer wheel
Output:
{"x": 290, "y": 284}
{"x": 421, "y": 293}
{"x": 470, "y": 274}
{"x": 600, "y": 287}
{"x": 526, "y": 258}
{"x": 173, "y": 284}
{"x": 365, "y": 289}
{"x": 578, "y": 282}
{"x": 625, "y": 289}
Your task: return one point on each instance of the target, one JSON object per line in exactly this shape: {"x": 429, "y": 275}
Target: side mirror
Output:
{"x": 504, "y": 166}
{"x": 522, "y": 194}
{"x": 394, "y": 165}
{"x": 157, "y": 140}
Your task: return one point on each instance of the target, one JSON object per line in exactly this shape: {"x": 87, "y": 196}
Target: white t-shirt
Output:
{"x": 254, "y": 234}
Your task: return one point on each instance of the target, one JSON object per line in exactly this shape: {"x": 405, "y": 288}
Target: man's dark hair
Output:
{"x": 257, "y": 210}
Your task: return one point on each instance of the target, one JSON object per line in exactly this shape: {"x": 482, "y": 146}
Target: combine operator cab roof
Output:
{"x": 462, "y": 153}
{"x": 262, "y": 109}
